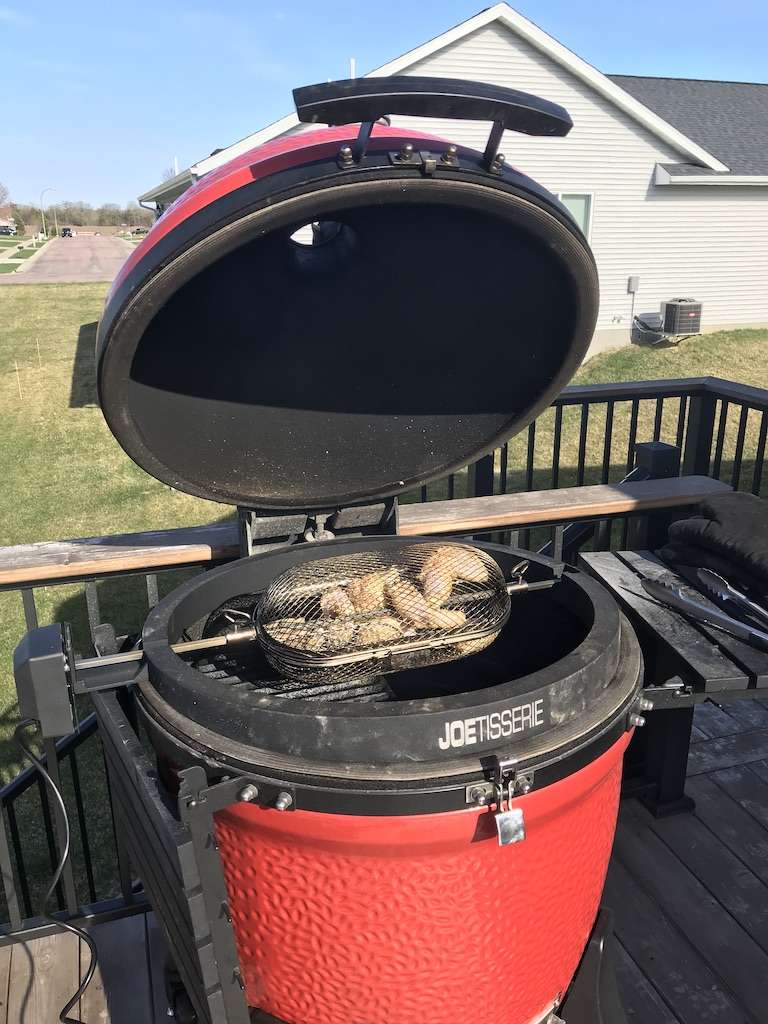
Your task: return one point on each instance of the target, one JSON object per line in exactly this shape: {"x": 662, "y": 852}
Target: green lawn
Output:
{"x": 23, "y": 254}
{"x": 65, "y": 476}
{"x": 7, "y": 267}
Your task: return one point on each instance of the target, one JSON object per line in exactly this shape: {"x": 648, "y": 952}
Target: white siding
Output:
{"x": 706, "y": 243}
{"x": 709, "y": 243}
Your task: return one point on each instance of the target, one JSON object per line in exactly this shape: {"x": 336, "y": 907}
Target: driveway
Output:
{"x": 84, "y": 258}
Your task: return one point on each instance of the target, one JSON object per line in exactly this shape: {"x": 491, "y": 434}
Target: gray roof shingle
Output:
{"x": 728, "y": 119}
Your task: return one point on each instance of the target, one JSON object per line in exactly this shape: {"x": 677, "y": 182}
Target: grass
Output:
{"x": 23, "y": 254}
{"x": 65, "y": 476}
{"x": 7, "y": 268}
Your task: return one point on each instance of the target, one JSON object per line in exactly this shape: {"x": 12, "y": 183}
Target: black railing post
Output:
{"x": 482, "y": 477}
{"x": 660, "y": 461}
{"x": 699, "y": 434}
{"x": 482, "y": 480}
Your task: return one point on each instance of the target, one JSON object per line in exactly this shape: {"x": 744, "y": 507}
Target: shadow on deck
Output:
{"x": 689, "y": 894}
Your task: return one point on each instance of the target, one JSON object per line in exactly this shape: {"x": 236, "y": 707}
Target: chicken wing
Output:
{"x": 459, "y": 561}
{"x": 297, "y": 632}
{"x": 437, "y": 585}
{"x": 409, "y": 603}
{"x": 379, "y": 631}
{"x": 337, "y": 604}
{"x": 367, "y": 593}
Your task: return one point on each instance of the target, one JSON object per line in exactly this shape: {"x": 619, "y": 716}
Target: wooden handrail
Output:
{"x": 29, "y": 565}
{"x": 563, "y": 505}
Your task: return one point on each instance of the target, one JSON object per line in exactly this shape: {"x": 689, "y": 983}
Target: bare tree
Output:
{"x": 168, "y": 173}
{"x": 5, "y": 195}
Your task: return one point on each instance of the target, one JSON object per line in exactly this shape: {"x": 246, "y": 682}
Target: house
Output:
{"x": 667, "y": 177}
{"x": 6, "y": 217}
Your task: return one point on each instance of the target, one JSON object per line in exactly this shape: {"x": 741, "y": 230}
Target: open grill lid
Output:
{"x": 445, "y": 301}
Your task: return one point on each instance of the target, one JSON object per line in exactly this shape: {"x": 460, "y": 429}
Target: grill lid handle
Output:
{"x": 368, "y": 99}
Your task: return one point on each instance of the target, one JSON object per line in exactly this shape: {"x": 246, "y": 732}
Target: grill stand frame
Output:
{"x": 180, "y": 867}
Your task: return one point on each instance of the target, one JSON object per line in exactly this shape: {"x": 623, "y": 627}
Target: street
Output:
{"x": 68, "y": 260}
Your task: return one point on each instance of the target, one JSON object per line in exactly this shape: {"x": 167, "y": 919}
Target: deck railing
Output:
{"x": 588, "y": 436}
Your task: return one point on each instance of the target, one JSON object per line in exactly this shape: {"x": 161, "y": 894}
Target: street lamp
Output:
{"x": 50, "y": 188}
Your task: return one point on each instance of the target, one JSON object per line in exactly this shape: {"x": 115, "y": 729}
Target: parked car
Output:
{"x": 7, "y": 229}
{"x": 139, "y": 231}
{"x": 66, "y": 232}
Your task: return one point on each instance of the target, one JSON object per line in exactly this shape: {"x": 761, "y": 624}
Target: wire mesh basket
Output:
{"x": 350, "y": 616}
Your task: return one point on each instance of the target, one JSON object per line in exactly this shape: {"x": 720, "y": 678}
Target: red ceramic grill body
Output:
{"x": 420, "y": 919}
{"x": 368, "y": 874}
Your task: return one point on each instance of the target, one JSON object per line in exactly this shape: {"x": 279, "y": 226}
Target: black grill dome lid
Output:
{"x": 443, "y": 302}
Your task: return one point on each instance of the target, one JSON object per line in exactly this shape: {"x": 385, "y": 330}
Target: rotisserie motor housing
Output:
{"x": 329, "y": 320}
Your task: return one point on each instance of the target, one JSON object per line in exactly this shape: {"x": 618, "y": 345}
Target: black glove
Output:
{"x": 728, "y": 535}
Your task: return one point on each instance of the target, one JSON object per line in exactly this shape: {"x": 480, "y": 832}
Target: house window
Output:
{"x": 579, "y": 205}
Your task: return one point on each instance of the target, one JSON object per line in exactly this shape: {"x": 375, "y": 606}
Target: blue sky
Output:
{"x": 98, "y": 97}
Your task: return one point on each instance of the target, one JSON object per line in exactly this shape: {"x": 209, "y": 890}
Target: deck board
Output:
{"x": 44, "y": 974}
{"x": 689, "y": 895}
{"x": 5, "y": 978}
{"x": 664, "y": 954}
{"x": 642, "y": 1002}
{"x": 725, "y": 752}
{"x": 730, "y": 953}
{"x": 120, "y": 990}
{"x": 157, "y": 955}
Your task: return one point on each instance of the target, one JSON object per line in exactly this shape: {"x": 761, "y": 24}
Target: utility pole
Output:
{"x": 50, "y": 188}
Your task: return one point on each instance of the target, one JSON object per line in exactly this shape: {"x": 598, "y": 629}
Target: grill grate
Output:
{"x": 253, "y": 673}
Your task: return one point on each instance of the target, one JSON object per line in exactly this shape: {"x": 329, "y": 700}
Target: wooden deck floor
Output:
{"x": 38, "y": 977}
{"x": 689, "y": 894}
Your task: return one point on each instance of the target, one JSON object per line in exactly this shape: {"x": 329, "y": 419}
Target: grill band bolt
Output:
{"x": 248, "y": 793}
{"x": 636, "y": 721}
{"x": 478, "y": 796}
{"x": 283, "y": 801}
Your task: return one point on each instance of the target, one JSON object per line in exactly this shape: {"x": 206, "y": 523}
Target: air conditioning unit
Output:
{"x": 681, "y": 316}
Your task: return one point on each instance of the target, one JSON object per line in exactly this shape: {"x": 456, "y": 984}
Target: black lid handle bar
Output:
{"x": 366, "y": 100}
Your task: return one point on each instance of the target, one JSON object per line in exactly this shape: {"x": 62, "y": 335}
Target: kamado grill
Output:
{"x": 396, "y": 761}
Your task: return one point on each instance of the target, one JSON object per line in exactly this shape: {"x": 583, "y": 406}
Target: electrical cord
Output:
{"x": 18, "y": 735}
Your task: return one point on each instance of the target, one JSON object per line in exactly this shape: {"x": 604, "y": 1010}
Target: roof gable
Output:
{"x": 504, "y": 14}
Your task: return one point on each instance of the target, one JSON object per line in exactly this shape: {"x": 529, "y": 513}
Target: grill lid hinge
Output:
{"x": 262, "y": 531}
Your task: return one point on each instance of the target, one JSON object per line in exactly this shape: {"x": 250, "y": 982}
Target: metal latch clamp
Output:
{"x": 510, "y": 823}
